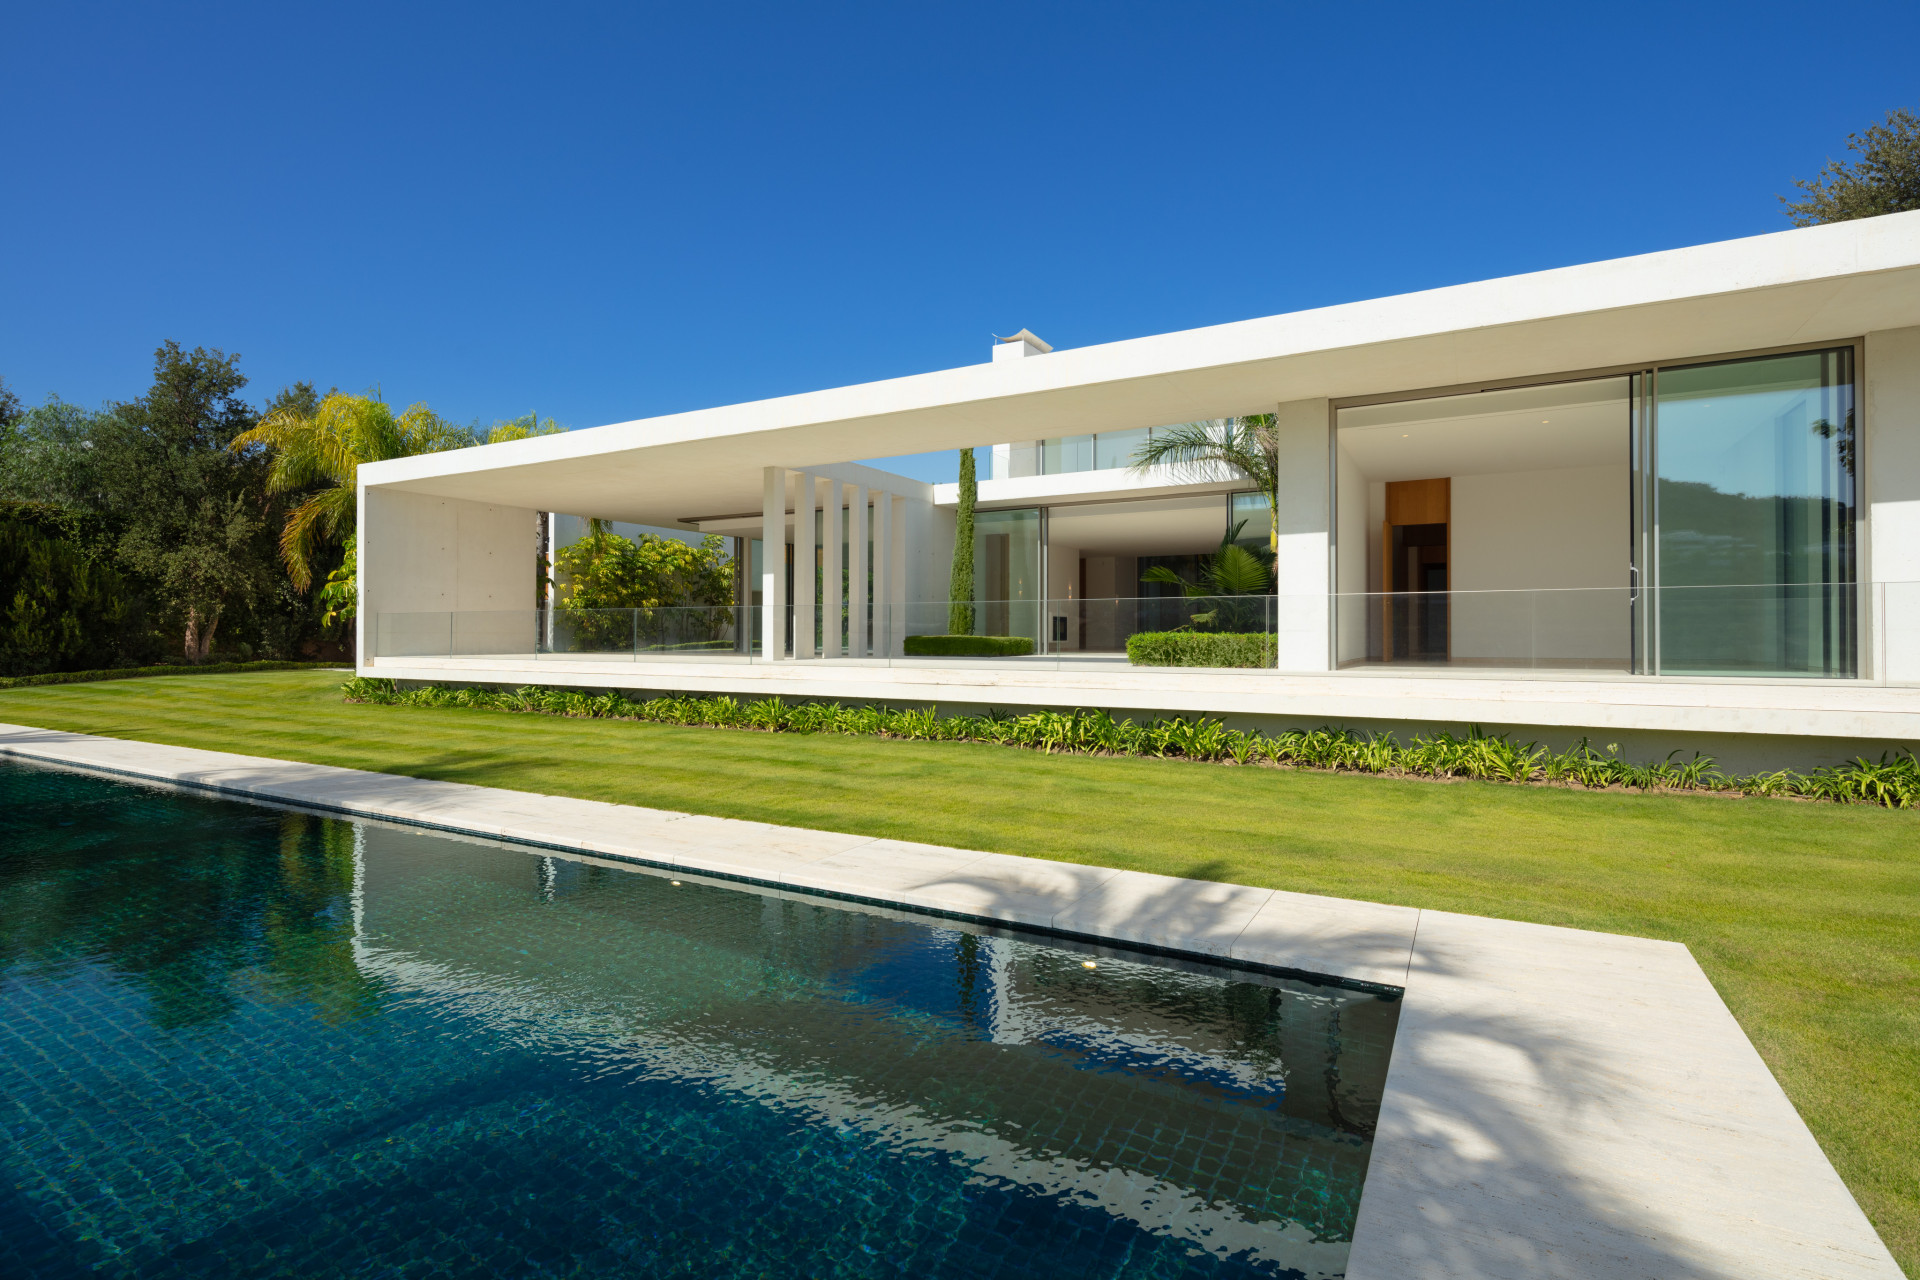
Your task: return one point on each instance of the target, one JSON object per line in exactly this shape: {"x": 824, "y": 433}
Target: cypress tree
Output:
{"x": 960, "y": 589}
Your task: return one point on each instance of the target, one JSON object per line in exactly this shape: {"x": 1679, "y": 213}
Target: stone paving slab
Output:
{"x": 1559, "y": 1104}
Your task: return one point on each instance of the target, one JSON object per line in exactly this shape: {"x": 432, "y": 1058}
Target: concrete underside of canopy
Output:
{"x": 1811, "y": 285}
{"x": 1746, "y": 726}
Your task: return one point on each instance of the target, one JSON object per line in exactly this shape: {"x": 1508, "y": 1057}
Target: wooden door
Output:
{"x": 1423, "y": 505}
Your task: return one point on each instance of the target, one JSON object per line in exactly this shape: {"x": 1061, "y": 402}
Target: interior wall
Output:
{"x": 1891, "y": 364}
{"x": 1517, "y": 533}
{"x": 424, "y": 558}
{"x": 1530, "y": 530}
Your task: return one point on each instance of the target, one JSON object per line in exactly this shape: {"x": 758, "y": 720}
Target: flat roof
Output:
{"x": 1811, "y": 284}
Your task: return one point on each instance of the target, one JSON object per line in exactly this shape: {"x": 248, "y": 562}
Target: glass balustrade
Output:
{"x": 1597, "y": 633}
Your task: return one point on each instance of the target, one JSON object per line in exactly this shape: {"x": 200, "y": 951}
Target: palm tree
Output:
{"x": 324, "y": 446}
{"x": 1232, "y": 570}
{"x": 1249, "y": 446}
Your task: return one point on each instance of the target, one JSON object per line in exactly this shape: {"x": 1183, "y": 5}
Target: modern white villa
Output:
{"x": 1668, "y": 501}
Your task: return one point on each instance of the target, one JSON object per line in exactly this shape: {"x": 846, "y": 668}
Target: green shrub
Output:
{"x": 59, "y": 607}
{"x": 1201, "y": 649}
{"x": 969, "y": 646}
{"x": 1894, "y": 781}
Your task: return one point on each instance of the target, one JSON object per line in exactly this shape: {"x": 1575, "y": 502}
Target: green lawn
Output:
{"x": 1806, "y": 917}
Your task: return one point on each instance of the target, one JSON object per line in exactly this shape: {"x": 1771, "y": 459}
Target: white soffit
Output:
{"x": 1563, "y": 425}
{"x": 1810, "y": 284}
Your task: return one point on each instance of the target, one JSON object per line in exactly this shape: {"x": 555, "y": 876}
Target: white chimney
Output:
{"x": 1019, "y": 346}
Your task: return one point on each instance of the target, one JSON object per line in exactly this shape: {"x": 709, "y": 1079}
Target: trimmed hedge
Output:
{"x": 1201, "y": 649}
{"x": 170, "y": 669}
{"x": 969, "y": 646}
{"x": 1893, "y": 781}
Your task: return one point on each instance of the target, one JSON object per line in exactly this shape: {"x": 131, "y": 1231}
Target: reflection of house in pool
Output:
{"x": 1231, "y": 1110}
{"x": 1643, "y": 496}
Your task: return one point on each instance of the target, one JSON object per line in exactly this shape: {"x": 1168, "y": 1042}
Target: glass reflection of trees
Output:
{"x": 191, "y": 906}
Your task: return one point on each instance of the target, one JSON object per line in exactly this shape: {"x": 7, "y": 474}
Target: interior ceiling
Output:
{"x": 1178, "y": 526}
{"x": 709, "y": 462}
{"x": 1585, "y": 424}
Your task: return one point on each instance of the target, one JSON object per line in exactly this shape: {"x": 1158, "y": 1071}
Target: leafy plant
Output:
{"x": 1201, "y": 649}
{"x": 1885, "y": 178}
{"x": 58, "y": 608}
{"x": 1249, "y": 447}
{"x": 320, "y": 446}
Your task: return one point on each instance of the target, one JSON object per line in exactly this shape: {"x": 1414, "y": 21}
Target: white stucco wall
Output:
{"x": 1892, "y": 484}
{"x": 422, "y": 558}
{"x": 1304, "y": 523}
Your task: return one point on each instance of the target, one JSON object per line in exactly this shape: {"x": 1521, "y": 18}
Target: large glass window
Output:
{"x": 1753, "y": 516}
{"x": 1006, "y": 572}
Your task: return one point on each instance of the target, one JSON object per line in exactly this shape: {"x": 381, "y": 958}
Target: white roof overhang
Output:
{"x": 1809, "y": 285}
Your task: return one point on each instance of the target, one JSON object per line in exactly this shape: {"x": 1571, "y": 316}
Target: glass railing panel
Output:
{"x": 489, "y": 633}
{"x": 1896, "y": 610}
{"x": 1092, "y": 627}
{"x": 1066, "y": 454}
{"x": 1570, "y": 630}
{"x": 594, "y": 632}
{"x": 691, "y": 630}
{"x": 1779, "y": 630}
{"x": 412, "y": 635}
{"x": 1115, "y": 450}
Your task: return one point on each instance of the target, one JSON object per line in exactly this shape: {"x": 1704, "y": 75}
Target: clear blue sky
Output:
{"x": 607, "y": 213}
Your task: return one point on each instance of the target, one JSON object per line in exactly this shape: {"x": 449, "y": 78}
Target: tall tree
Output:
{"x": 960, "y": 585}
{"x": 517, "y": 429}
{"x": 10, "y": 409}
{"x": 1885, "y": 179}
{"x": 315, "y": 446}
{"x": 192, "y": 513}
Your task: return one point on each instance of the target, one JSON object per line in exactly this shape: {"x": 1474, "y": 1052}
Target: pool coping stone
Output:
{"x": 1560, "y": 1103}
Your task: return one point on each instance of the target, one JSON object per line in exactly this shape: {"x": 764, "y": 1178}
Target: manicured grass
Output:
{"x": 1805, "y": 916}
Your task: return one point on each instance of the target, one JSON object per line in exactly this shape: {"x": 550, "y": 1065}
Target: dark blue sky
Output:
{"x": 607, "y": 213}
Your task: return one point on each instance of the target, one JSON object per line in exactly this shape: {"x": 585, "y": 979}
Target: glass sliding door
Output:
{"x": 1006, "y": 573}
{"x": 1753, "y": 517}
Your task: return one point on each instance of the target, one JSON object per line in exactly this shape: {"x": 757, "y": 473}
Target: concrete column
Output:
{"x": 1303, "y": 567}
{"x": 857, "y": 629}
{"x": 883, "y": 624}
{"x": 833, "y": 588}
{"x": 1891, "y": 491}
{"x": 773, "y": 564}
{"x": 805, "y": 500}
{"x": 897, "y": 577}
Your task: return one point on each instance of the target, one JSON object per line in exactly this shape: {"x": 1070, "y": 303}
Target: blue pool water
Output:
{"x": 238, "y": 1041}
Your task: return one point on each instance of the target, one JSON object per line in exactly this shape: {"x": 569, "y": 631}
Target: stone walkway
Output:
{"x": 1560, "y": 1103}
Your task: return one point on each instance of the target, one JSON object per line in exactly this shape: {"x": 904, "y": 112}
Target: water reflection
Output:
{"x": 581, "y": 1062}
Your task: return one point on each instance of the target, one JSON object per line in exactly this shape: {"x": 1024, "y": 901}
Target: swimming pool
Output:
{"x": 237, "y": 1040}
